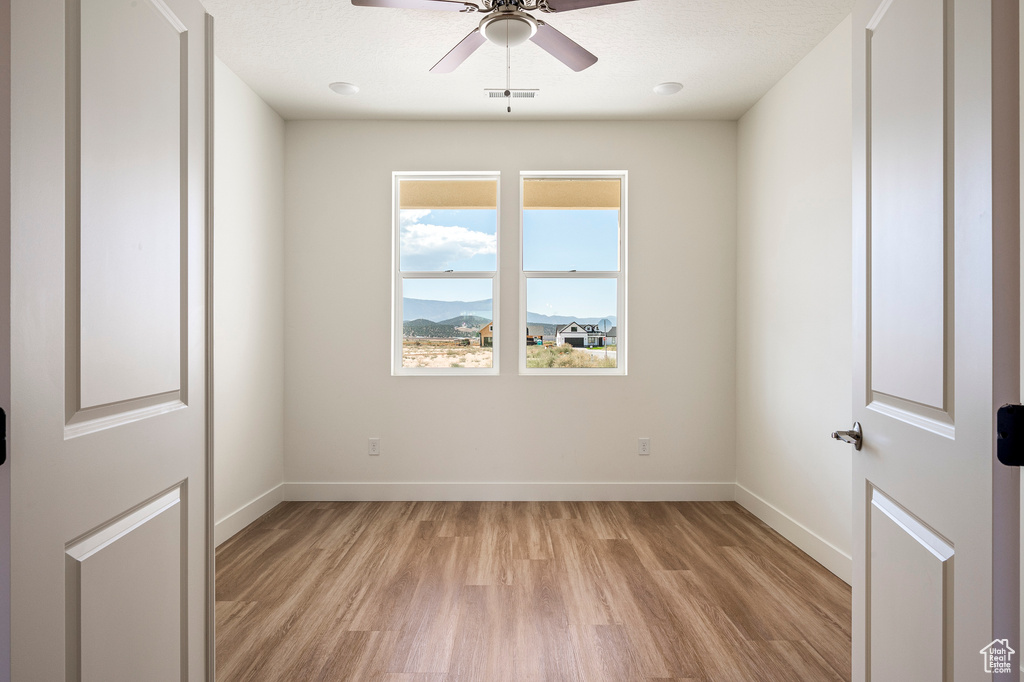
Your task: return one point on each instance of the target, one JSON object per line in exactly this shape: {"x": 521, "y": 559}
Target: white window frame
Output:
{"x": 620, "y": 276}
{"x": 398, "y": 277}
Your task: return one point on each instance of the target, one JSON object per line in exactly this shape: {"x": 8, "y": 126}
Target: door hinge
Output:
{"x": 1010, "y": 435}
{"x": 3, "y": 436}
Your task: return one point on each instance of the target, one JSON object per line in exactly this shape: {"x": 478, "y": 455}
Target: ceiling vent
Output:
{"x": 515, "y": 94}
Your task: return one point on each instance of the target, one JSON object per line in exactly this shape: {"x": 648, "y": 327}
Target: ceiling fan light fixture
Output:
{"x": 668, "y": 88}
{"x": 344, "y": 88}
{"x": 508, "y": 29}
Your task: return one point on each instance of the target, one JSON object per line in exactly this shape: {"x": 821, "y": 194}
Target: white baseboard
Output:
{"x": 527, "y": 492}
{"x": 819, "y": 549}
{"x": 250, "y": 511}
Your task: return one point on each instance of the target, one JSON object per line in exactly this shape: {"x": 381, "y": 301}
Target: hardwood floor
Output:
{"x": 495, "y": 591}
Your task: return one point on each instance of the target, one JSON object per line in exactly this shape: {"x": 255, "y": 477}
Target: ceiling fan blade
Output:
{"x": 568, "y": 5}
{"x": 443, "y": 5}
{"x": 460, "y": 52}
{"x": 562, "y": 48}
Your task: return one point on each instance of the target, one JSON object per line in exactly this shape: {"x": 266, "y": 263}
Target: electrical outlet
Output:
{"x": 643, "y": 446}
{"x": 374, "y": 447}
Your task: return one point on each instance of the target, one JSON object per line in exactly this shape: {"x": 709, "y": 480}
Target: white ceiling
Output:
{"x": 727, "y": 54}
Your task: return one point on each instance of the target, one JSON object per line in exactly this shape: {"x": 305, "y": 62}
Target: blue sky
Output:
{"x": 571, "y": 297}
{"x": 465, "y": 240}
{"x": 570, "y": 240}
{"x": 447, "y": 289}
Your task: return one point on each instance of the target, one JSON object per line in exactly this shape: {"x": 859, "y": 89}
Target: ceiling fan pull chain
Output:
{"x": 508, "y": 76}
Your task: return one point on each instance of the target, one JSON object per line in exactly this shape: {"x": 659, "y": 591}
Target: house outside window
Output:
{"x": 573, "y": 272}
{"x": 487, "y": 336}
{"x": 445, "y": 263}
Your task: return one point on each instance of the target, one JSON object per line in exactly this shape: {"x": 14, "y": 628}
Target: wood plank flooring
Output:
{"x": 518, "y": 591}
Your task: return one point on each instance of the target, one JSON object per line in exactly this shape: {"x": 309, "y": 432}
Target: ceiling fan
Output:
{"x": 506, "y": 23}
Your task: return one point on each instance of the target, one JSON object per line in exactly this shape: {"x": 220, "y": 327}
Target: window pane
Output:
{"x": 571, "y": 225}
{"x": 565, "y": 240}
{"x": 571, "y": 322}
{"x": 448, "y": 225}
{"x": 447, "y": 323}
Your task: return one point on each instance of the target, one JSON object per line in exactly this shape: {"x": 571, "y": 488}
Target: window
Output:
{"x": 573, "y": 273}
{"x": 445, "y": 244}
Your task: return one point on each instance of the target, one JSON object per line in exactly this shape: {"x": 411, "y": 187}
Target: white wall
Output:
{"x": 248, "y": 305}
{"x": 794, "y": 304}
{"x": 520, "y": 437}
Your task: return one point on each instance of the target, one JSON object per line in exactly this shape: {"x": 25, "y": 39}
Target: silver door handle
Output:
{"x": 854, "y": 436}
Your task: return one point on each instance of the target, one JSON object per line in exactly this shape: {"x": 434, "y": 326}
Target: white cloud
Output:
{"x": 408, "y": 216}
{"x": 435, "y": 247}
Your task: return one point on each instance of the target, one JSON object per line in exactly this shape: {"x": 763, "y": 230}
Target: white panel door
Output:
{"x": 109, "y": 156}
{"x": 936, "y": 342}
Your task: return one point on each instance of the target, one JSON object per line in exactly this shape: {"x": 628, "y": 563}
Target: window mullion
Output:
{"x": 467, "y": 274}
{"x": 570, "y": 274}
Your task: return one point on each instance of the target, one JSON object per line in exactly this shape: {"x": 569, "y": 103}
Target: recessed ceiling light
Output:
{"x": 344, "y": 88}
{"x": 668, "y": 88}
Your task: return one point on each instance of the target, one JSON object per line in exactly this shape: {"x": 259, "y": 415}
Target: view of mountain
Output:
{"x": 430, "y": 329}
{"x": 437, "y": 311}
{"x": 453, "y": 312}
{"x": 467, "y": 321}
{"x": 536, "y": 318}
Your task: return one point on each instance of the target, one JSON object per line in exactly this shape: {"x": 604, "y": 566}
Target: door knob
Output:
{"x": 854, "y": 436}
